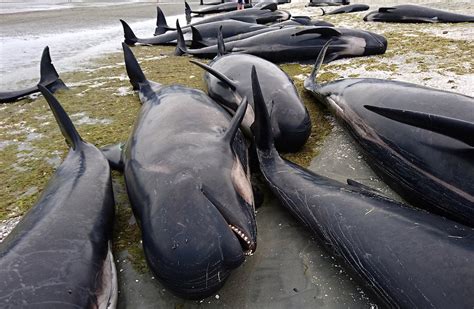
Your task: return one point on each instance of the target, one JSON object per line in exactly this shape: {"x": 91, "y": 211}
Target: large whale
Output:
{"x": 347, "y": 9}
{"x": 59, "y": 254}
{"x": 430, "y": 166}
{"x": 227, "y": 81}
{"x": 186, "y": 171}
{"x": 409, "y": 13}
{"x": 408, "y": 258}
{"x": 48, "y": 77}
{"x": 297, "y": 44}
{"x": 230, "y": 28}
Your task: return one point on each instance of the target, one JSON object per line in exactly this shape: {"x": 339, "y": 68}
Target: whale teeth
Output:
{"x": 242, "y": 235}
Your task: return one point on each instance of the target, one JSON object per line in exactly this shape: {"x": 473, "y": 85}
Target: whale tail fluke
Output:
{"x": 161, "y": 25}
{"x": 181, "y": 48}
{"x": 134, "y": 71}
{"x": 130, "y": 37}
{"x": 73, "y": 139}
{"x": 261, "y": 127}
{"x": 455, "y": 128}
{"x": 49, "y": 77}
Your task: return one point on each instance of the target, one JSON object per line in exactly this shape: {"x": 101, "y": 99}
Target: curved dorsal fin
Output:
{"x": 220, "y": 43}
{"x": 134, "y": 71}
{"x": 234, "y": 125}
{"x": 181, "y": 48}
{"x": 73, "y": 139}
{"x": 161, "y": 25}
{"x": 455, "y": 128}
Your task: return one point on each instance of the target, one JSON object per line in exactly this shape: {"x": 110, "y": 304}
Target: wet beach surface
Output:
{"x": 289, "y": 268}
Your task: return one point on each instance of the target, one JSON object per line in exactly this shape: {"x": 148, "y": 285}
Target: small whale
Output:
{"x": 408, "y": 258}
{"x": 48, "y": 78}
{"x": 293, "y": 44}
{"x": 60, "y": 254}
{"x": 409, "y": 13}
{"x": 417, "y": 139}
{"x": 347, "y": 9}
{"x": 227, "y": 82}
{"x": 186, "y": 171}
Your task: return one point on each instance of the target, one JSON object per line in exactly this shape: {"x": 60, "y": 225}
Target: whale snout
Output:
{"x": 376, "y": 44}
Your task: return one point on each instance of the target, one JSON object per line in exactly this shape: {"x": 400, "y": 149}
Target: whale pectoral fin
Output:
{"x": 113, "y": 153}
{"x": 455, "y": 128}
{"x": 324, "y": 31}
{"x": 353, "y": 183}
{"x": 229, "y": 82}
{"x": 386, "y": 9}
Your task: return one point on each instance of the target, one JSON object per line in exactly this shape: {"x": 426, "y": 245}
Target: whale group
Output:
{"x": 191, "y": 159}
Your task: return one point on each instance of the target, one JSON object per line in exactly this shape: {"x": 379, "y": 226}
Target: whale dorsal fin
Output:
{"x": 129, "y": 35}
{"x": 324, "y": 31}
{"x": 161, "y": 25}
{"x": 455, "y": 128}
{"x": 73, "y": 139}
{"x": 229, "y": 82}
{"x": 49, "y": 77}
{"x": 261, "y": 127}
{"x": 181, "y": 48}
{"x": 386, "y": 9}
{"x": 236, "y": 122}
{"x": 197, "y": 41}
{"x": 134, "y": 71}
{"x": 220, "y": 43}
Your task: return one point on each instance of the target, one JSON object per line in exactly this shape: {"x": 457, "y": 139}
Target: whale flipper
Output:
{"x": 113, "y": 153}
{"x": 455, "y": 128}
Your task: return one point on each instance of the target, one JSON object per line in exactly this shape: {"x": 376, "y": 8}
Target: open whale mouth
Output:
{"x": 245, "y": 241}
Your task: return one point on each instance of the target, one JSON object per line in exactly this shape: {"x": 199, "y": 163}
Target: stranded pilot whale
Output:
{"x": 186, "y": 172}
{"x": 347, "y": 9}
{"x": 297, "y": 44}
{"x": 48, "y": 78}
{"x": 408, "y": 257}
{"x": 208, "y": 30}
{"x": 227, "y": 75}
{"x": 428, "y": 163}
{"x": 409, "y": 13}
{"x": 219, "y": 8}
{"x": 60, "y": 253}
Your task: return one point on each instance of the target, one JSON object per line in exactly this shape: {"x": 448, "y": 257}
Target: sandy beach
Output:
{"x": 290, "y": 269}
